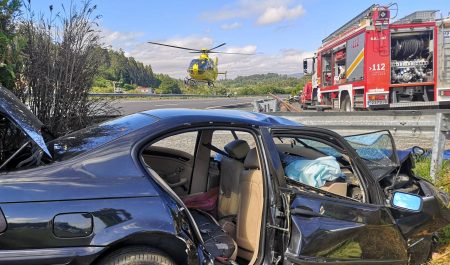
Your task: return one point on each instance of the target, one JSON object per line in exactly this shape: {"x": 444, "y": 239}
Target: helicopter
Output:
{"x": 204, "y": 69}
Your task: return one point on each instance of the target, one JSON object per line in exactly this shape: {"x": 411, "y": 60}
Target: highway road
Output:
{"x": 132, "y": 106}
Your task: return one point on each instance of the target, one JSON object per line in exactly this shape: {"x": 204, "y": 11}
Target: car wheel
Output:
{"x": 137, "y": 256}
{"x": 346, "y": 105}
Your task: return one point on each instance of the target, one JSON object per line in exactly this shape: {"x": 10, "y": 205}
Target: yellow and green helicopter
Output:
{"x": 204, "y": 69}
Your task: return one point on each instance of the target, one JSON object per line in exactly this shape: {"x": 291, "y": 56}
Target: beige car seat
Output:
{"x": 250, "y": 212}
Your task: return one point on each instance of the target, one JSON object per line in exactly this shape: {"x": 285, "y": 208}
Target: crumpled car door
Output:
{"x": 379, "y": 153}
{"x": 341, "y": 231}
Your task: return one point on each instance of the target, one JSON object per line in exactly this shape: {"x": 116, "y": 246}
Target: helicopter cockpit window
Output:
{"x": 204, "y": 64}
{"x": 191, "y": 65}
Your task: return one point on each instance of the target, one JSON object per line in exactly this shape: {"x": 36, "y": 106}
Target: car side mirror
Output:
{"x": 307, "y": 67}
{"x": 407, "y": 201}
{"x": 418, "y": 151}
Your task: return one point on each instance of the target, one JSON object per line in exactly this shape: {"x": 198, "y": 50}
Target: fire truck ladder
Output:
{"x": 418, "y": 17}
{"x": 352, "y": 23}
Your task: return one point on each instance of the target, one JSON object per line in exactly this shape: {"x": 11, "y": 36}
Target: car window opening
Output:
{"x": 15, "y": 146}
{"x": 217, "y": 175}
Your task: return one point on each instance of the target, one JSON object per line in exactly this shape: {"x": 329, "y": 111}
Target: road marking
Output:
{"x": 227, "y": 106}
{"x": 170, "y": 104}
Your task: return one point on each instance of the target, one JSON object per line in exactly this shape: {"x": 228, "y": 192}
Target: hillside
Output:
{"x": 129, "y": 74}
{"x": 262, "y": 84}
{"x": 258, "y": 84}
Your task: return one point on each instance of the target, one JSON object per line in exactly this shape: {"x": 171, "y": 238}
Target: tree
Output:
{"x": 60, "y": 61}
{"x": 168, "y": 85}
{"x": 9, "y": 10}
{"x": 117, "y": 67}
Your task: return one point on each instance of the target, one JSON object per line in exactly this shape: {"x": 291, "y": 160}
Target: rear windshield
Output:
{"x": 89, "y": 138}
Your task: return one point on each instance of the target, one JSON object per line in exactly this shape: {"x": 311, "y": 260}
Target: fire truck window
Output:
{"x": 326, "y": 70}
{"x": 339, "y": 67}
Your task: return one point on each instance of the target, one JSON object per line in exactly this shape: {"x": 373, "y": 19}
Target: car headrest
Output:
{"x": 237, "y": 149}
{"x": 251, "y": 161}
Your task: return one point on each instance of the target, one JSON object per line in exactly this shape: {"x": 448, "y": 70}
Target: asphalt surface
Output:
{"x": 132, "y": 106}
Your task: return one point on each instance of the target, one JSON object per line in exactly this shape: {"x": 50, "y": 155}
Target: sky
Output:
{"x": 280, "y": 32}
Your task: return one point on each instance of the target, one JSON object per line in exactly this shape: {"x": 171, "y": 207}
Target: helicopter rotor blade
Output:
{"x": 217, "y": 46}
{"x": 173, "y": 46}
{"x": 237, "y": 53}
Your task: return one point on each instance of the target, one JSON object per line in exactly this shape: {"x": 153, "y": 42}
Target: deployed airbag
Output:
{"x": 314, "y": 172}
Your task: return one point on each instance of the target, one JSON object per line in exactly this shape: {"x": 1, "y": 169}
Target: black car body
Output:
{"x": 82, "y": 197}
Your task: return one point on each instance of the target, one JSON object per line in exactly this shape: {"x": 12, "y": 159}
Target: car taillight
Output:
{"x": 2, "y": 222}
{"x": 377, "y": 97}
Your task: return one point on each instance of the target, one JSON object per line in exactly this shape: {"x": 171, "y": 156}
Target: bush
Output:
{"x": 102, "y": 82}
{"x": 60, "y": 64}
{"x": 129, "y": 87}
{"x": 422, "y": 169}
{"x": 97, "y": 89}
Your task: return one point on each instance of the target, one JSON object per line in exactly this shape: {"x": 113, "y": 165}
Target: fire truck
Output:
{"x": 371, "y": 63}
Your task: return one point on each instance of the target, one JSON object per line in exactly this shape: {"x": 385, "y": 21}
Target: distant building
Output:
{"x": 146, "y": 90}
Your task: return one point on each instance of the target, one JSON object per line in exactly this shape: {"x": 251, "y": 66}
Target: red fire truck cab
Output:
{"x": 370, "y": 63}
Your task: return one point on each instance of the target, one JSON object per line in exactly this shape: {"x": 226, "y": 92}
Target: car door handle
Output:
{"x": 305, "y": 212}
{"x": 179, "y": 183}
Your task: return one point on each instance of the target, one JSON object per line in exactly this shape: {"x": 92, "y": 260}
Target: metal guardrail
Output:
{"x": 411, "y": 124}
{"x": 138, "y": 95}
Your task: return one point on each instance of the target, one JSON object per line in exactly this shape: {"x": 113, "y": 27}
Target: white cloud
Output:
{"x": 276, "y": 14}
{"x": 174, "y": 62}
{"x": 264, "y": 11}
{"x": 231, "y": 26}
{"x": 283, "y": 62}
{"x": 117, "y": 39}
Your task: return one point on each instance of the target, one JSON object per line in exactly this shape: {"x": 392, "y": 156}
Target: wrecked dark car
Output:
{"x": 209, "y": 187}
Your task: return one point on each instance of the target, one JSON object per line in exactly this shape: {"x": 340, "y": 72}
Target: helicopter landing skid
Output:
{"x": 193, "y": 83}
{"x": 190, "y": 82}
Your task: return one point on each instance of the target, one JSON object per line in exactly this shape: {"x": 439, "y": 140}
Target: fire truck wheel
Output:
{"x": 346, "y": 104}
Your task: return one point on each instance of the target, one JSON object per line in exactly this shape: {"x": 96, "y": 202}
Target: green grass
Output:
{"x": 422, "y": 169}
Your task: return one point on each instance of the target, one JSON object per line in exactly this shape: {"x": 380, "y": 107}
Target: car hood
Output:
{"x": 13, "y": 109}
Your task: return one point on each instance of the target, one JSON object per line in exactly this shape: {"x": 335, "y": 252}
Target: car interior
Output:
{"x": 217, "y": 174}
{"x": 320, "y": 165}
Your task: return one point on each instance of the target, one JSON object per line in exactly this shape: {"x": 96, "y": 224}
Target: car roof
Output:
{"x": 218, "y": 115}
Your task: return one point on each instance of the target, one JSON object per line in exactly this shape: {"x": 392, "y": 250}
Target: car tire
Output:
{"x": 346, "y": 104}
{"x": 137, "y": 256}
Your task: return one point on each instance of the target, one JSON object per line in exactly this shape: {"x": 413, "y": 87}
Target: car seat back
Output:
{"x": 250, "y": 212}
{"x": 230, "y": 170}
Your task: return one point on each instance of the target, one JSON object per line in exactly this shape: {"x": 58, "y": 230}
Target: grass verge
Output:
{"x": 442, "y": 256}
